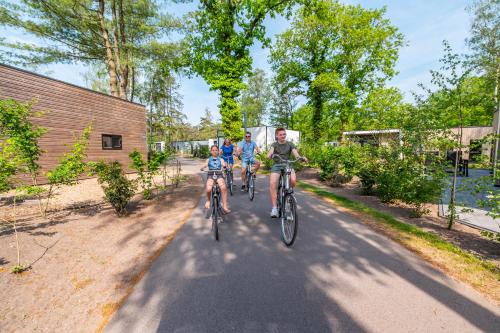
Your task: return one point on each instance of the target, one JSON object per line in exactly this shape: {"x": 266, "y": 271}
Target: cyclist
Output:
{"x": 215, "y": 164}
{"x": 284, "y": 149}
{"x": 227, "y": 151}
{"x": 246, "y": 152}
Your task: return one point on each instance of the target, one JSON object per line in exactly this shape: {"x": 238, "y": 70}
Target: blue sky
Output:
{"x": 424, "y": 23}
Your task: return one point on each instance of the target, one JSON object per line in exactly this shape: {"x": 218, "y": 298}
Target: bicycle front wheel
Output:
{"x": 251, "y": 187}
{"x": 229, "y": 182}
{"x": 289, "y": 220}
{"x": 215, "y": 219}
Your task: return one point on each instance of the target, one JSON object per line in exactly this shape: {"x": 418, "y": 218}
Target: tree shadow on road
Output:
{"x": 250, "y": 282}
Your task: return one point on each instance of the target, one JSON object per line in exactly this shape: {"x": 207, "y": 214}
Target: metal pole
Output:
{"x": 245, "y": 120}
{"x": 495, "y": 158}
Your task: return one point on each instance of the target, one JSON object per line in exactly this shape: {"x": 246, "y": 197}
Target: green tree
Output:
{"x": 255, "y": 99}
{"x": 381, "y": 109}
{"x": 484, "y": 44}
{"x": 336, "y": 53}
{"x": 451, "y": 79}
{"x": 160, "y": 91}
{"x": 220, "y": 35}
{"x": 283, "y": 105}
{"x": 117, "y": 33}
{"x": 207, "y": 128}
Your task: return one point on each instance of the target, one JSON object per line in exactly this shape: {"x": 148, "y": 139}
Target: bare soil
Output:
{"x": 465, "y": 237}
{"x": 84, "y": 262}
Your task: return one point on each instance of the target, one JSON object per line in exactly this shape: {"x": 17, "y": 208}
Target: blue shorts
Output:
{"x": 245, "y": 161}
{"x": 228, "y": 159}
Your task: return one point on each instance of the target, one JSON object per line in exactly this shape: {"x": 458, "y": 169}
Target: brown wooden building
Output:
{"x": 118, "y": 126}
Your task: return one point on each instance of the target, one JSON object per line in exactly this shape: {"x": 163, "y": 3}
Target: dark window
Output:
{"x": 110, "y": 141}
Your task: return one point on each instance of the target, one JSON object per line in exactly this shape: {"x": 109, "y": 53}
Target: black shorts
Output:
{"x": 218, "y": 173}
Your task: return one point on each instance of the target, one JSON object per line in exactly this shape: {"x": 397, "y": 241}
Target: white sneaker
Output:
{"x": 274, "y": 212}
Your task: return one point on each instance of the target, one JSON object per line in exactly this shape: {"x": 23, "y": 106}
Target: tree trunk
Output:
{"x": 132, "y": 84}
{"x": 123, "y": 51}
{"x": 497, "y": 129}
{"x": 317, "y": 102}
{"x": 452, "y": 206}
{"x": 113, "y": 79}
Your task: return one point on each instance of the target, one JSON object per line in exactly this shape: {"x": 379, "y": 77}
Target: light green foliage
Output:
{"x": 451, "y": 79}
{"x": 18, "y": 268}
{"x": 339, "y": 164}
{"x": 219, "y": 39}
{"x": 201, "y": 152}
{"x": 381, "y": 109}
{"x": 483, "y": 42}
{"x": 72, "y": 164}
{"x": 146, "y": 170}
{"x": 118, "y": 190}
{"x": 267, "y": 163}
{"x": 335, "y": 54}
{"x": 255, "y": 98}
{"x": 19, "y": 149}
{"x": 7, "y": 170}
{"x": 475, "y": 100}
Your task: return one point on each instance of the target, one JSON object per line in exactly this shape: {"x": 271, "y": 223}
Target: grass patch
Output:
{"x": 481, "y": 274}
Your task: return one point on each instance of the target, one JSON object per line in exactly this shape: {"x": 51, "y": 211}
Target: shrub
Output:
{"x": 201, "y": 152}
{"x": 339, "y": 164}
{"x": 368, "y": 173}
{"x": 267, "y": 163}
{"x": 147, "y": 170}
{"x": 118, "y": 190}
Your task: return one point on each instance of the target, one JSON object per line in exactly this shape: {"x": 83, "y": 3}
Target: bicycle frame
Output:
{"x": 285, "y": 198}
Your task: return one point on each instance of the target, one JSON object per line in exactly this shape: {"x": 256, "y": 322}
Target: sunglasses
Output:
{"x": 247, "y": 136}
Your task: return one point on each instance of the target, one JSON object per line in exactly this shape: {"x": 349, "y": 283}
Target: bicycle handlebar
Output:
{"x": 288, "y": 161}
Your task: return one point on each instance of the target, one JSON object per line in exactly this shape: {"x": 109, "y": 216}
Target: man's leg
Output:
{"x": 256, "y": 166}
{"x": 273, "y": 185}
{"x": 243, "y": 173}
{"x": 293, "y": 178}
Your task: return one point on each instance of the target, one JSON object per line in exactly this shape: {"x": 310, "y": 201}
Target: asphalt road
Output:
{"x": 339, "y": 276}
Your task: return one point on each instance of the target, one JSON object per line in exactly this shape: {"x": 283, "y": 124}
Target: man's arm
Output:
{"x": 257, "y": 149}
{"x": 270, "y": 153}
{"x": 295, "y": 153}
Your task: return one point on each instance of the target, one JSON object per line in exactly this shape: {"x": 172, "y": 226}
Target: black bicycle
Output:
{"x": 250, "y": 184}
{"x": 287, "y": 204}
{"x": 228, "y": 178}
{"x": 215, "y": 211}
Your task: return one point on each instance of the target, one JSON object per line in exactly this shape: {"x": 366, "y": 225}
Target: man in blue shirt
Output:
{"x": 246, "y": 152}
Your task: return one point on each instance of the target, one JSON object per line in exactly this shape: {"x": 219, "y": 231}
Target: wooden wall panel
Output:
{"x": 68, "y": 109}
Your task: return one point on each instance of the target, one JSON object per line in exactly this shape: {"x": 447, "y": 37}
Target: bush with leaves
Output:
{"x": 201, "y": 152}
{"x": 368, "y": 174}
{"x": 339, "y": 164}
{"x": 70, "y": 166}
{"x": 146, "y": 170}
{"x": 118, "y": 190}
{"x": 267, "y": 163}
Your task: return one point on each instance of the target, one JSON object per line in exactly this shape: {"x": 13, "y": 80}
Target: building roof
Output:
{"x": 69, "y": 84}
{"x": 372, "y": 132}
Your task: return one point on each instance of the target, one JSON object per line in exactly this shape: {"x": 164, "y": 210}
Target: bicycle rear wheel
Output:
{"x": 289, "y": 220}
{"x": 215, "y": 219}
{"x": 251, "y": 187}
